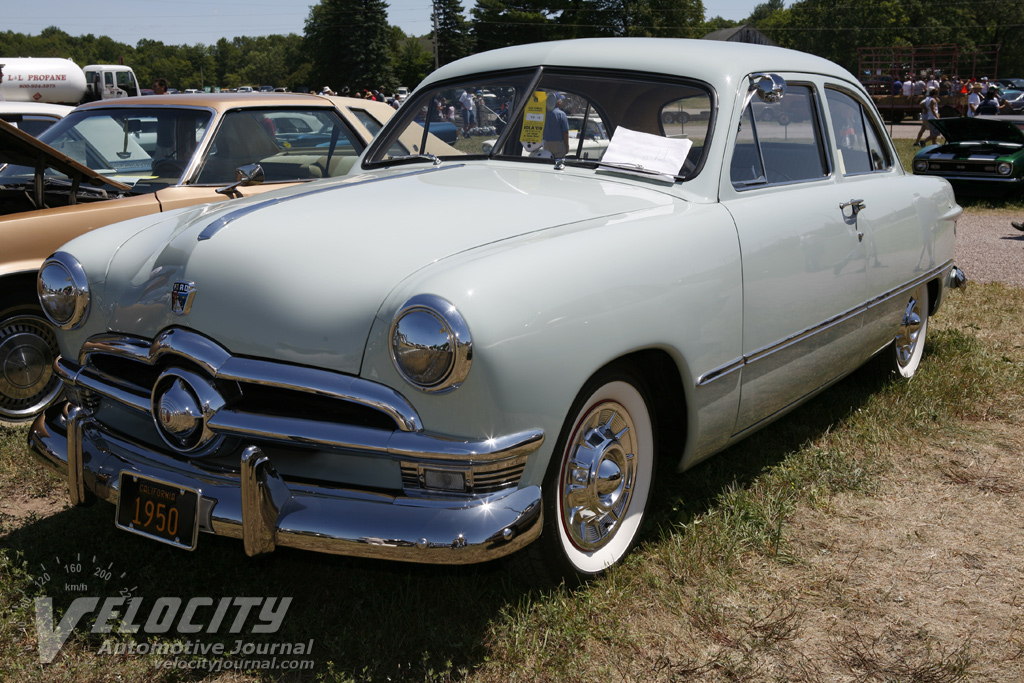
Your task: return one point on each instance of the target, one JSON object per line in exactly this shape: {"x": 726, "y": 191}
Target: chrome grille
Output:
{"x": 978, "y": 168}
{"x": 480, "y": 479}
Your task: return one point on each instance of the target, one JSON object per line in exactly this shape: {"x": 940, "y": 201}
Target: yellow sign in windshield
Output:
{"x": 533, "y": 119}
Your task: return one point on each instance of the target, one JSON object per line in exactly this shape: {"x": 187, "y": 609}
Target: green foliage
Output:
{"x": 349, "y": 44}
{"x": 412, "y": 62}
{"x": 515, "y": 22}
{"x": 454, "y": 40}
{"x": 835, "y": 30}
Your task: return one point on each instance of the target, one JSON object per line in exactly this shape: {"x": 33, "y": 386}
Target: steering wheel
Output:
{"x": 168, "y": 167}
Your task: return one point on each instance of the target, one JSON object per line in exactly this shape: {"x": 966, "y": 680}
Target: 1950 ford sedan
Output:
{"x": 453, "y": 355}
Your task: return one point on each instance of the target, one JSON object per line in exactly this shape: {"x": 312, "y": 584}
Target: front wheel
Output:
{"x": 598, "y": 483}
{"x": 28, "y": 348}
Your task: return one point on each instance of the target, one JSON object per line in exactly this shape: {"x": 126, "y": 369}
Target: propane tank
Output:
{"x": 28, "y": 79}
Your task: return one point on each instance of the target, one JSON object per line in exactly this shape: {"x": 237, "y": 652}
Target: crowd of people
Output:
{"x": 376, "y": 95}
{"x": 983, "y": 97}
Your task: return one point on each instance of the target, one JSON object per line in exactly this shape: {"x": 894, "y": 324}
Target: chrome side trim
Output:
{"x": 720, "y": 372}
{"x": 220, "y": 223}
{"x": 770, "y": 349}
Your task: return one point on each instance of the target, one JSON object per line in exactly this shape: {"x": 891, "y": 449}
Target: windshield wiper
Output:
{"x": 409, "y": 158}
{"x": 636, "y": 168}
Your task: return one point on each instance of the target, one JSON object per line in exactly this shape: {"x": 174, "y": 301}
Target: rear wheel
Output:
{"x": 598, "y": 483}
{"x": 904, "y": 356}
{"x": 28, "y": 348}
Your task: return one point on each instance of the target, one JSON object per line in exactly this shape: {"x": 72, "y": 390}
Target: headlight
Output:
{"x": 921, "y": 165}
{"x": 430, "y": 344}
{"x": 1004, "y": 168}
{"x": 63, "y": 291}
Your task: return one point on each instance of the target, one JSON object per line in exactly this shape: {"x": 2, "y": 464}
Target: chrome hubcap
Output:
{"x": 910, "y": 330}
{"x": 597, "y": 480}
{"x": 27, "y": 352}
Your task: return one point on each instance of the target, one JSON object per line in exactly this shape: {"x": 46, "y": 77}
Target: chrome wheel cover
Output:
{"x": 598, "y": 478}
{"x": 909, "y": 333}
{"x": 27, "y": 381}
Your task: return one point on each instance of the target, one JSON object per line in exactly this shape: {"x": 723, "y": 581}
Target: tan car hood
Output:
{"x": 19, "y": 148}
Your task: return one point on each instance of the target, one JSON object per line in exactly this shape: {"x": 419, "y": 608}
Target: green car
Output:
{"x": 983, "y": 156}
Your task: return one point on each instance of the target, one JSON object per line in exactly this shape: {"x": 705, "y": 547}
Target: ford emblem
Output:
{"x": 182, "y": 295}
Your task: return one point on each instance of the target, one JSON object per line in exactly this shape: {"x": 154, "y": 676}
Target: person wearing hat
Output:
{"x": 974, "y": 100}
{"x": 556, "y": 127}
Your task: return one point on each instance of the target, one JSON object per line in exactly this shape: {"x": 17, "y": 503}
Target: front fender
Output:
{"x": 547, "y": 311}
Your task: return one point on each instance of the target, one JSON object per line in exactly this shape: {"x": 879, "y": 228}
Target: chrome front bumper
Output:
{"x": 259, "y": 507}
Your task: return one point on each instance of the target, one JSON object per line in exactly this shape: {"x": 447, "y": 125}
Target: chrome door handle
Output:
{"x": 855, "y": 205}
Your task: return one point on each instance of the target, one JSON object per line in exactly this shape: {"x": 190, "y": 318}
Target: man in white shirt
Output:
{"x": 974, "y": 99}
{"x": 908, "y": 85}
{"x": 468, "y": 111}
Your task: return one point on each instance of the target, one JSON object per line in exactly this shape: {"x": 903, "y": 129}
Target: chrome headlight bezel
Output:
{"x": 921, "y": 165}
{"x": 1004, "y": 168}
{"x": 63, "y": 291}
{"x": 431, "y": 361}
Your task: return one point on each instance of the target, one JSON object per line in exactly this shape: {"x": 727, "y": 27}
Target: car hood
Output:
{"x": 300, "y": 275}
{"x": 967, "y": 129}
{"x": 19, "y": 148}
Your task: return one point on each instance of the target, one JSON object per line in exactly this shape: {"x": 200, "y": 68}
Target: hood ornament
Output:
{"x": 182, "y": 295}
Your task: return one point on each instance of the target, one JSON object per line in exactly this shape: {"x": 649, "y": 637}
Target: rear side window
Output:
{"x": 858, "y": 140}
{"x": 780, "y": 142}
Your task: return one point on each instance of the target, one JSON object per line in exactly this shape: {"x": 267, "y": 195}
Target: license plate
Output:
{"x": 158, "y": 510}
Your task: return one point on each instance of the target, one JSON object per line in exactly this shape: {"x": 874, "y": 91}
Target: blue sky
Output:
{"x": 187, "y": 22}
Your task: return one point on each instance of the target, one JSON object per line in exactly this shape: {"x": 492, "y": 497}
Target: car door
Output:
{"x": 804, "y": 261}
{"x": 887, "y": 205}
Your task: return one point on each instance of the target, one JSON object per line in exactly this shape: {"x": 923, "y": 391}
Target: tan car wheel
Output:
{"x": 28, "y": 348}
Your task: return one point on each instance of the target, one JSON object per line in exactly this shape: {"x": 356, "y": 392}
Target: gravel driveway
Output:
{"x": 988, "y": 248}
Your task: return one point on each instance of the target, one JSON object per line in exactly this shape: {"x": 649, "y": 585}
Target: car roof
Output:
{"x": 713, "y": 61}
{"x": 8, "y": 107}
{"x": 217, "y": 101}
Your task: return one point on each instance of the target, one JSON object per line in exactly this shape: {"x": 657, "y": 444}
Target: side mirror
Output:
{"x": 769, "y": 87}
{"x": 250, "y": 174}
{"x": 133, "y": 126}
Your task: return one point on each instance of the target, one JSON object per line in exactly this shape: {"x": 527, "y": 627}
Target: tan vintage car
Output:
{"x": 111, "y": 161}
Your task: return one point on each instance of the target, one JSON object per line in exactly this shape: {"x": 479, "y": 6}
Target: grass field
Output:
{"x": 810, "y": 552}
{"x": 872, "y": 535}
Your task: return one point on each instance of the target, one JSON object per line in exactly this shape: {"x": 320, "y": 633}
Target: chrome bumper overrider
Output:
{"x": 259, "y": 507}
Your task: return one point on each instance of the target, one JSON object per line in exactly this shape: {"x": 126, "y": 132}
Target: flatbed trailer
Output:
{"x": 895, "y": 108}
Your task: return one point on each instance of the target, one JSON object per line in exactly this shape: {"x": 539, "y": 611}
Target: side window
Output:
{"x": 859, "y": 143}
{"x": 784, "y": 139}
{"x": 746, "y": 157}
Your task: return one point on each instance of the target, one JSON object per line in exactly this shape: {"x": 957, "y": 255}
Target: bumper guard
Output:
{"x": 264, "y": 511}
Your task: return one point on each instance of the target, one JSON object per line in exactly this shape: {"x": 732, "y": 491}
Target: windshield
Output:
{"x": 546, "y": 115}
{"x": 123, "y": 144}
{"x": 150, "y": 148}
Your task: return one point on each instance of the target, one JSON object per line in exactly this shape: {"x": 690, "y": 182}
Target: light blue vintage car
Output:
{"x": 450, "y": 356}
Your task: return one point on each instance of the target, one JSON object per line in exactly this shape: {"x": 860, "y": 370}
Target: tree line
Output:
{"x": 349, "y": 43}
